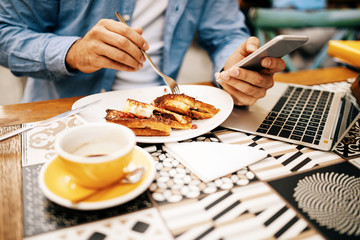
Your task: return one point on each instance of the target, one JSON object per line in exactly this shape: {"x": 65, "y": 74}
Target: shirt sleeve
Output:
{"x": 221, "y": 30}
{"x": 28, "y": 46}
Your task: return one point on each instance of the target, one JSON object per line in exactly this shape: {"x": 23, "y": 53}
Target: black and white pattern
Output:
{"x": 319, "y": 192}
{"x": 349, "y": 147}
{"x": 235, "y": 205}
{"x": 174, "y": 182}
{"x": 330, "y": 199}
{"x": 145, "y": 224}
{"x": 42, "y": 215}
{"x": 252, "y": 212}
{"x": 283, "y": 159}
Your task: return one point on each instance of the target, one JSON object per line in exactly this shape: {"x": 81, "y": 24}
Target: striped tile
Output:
{"x": 283, "y": 159}
{"x": 145, "y": 224}
{"x": 254, "y": 211}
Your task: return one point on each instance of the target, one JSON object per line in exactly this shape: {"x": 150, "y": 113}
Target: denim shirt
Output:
{"x": 36, "y": 35}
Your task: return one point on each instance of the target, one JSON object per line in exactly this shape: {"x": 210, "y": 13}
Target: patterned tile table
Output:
{"x": 254, "y": 202}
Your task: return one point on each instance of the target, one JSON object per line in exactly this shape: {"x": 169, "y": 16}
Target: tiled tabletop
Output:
{"x": 255, "y": 202}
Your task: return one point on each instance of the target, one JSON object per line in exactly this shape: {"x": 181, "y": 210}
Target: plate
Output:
{"x": 117, "y": 99}
{"x": 57, "y": 185}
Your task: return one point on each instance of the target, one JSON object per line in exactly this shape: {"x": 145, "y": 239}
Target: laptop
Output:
{"x": 298, "y": 114}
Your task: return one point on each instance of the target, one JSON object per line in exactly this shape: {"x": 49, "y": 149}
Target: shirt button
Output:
{"x": 103, "y": 90}
{"x": 127, "y": 17}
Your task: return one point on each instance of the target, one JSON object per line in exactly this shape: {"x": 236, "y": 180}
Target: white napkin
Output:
{"x": 211, "y": 160}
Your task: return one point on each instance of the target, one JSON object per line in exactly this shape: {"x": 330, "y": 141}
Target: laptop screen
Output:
{"x": 349, "y": 114}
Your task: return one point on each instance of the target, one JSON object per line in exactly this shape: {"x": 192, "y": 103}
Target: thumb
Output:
{"x": 245, "y": 49}
{"x": 251, "y": 45}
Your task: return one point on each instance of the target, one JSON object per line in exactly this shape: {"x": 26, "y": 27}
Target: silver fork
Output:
{"x": 168, "y": 80}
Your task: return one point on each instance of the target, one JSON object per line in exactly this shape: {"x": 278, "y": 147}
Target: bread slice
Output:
{"x": 149, "y": 132}
{"x": 170, "y": 111}
{"x": 145, "y": 110}
{"x": 141, "y": 126}
{"x": 186, "y": 105}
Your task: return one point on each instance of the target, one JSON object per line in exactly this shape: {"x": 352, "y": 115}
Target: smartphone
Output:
{"x": 277, "y": 47}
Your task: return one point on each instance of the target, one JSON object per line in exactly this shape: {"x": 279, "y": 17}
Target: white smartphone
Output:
{"x": 277, "y": 47}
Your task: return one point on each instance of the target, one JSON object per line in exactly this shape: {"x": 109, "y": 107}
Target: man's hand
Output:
{"x": 109, "y": 44}
{"x": 246, "y": 86}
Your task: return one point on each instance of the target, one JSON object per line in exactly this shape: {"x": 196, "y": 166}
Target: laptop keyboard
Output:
{"x": 300, "y": 114}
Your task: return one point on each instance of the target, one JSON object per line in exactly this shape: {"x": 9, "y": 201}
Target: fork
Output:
{"x": 168, "y": 80}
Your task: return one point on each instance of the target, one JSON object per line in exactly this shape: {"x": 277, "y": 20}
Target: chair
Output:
{"x": 11, "y": 87}
{"x": 266, "y": 23}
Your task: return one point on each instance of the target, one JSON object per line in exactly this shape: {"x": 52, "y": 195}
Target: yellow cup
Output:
{"x": 96, "y": 154}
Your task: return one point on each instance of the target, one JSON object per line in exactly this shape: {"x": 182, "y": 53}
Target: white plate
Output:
{"x": 116, "y": 100}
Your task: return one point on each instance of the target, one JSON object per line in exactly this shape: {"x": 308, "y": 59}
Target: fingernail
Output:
{"x": 225, "y": 75}
{"x": 142, "y": 59}
{"x": 145, "y": 46}
{"x": 267, "y": 62}
{"x": 252, "y": 48}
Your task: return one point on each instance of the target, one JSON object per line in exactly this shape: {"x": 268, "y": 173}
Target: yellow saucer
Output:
{"x": 58, "y": 186}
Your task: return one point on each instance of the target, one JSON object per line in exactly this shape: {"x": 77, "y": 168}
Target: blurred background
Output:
{"x": 321, "y": 20}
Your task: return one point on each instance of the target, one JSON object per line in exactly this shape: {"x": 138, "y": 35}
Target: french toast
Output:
{"x": 186, "y": 105}
{"x": 141, "y": 126}
{"x": 170, "y": 111}
{"x": 147, "y": 120}
{"x": 146, "y": 110}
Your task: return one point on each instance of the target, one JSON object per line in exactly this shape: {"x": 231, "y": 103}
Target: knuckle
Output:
{"x": 138, "y": 55}
{"x": 102, "y": 22}
{"x": 243, "y": 74}
{"x": 125, "y": 30}
{"x": 262, "y": 93}
{"x": 248, "y": 90}
{"x": 258, "y": 80}
{"x": 123, "y": 43}
{"x": 120, "y": 56}
{"x": 267, "y": 82}
{"x": 96, "y": 31}
{"x": 92, "y": 47}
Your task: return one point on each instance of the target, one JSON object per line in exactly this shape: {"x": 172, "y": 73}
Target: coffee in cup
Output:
{"x": 96, "y": 154}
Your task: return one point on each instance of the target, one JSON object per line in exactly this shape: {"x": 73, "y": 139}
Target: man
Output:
{"x": 71, "y": 48}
